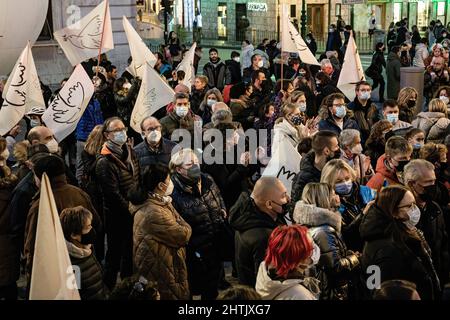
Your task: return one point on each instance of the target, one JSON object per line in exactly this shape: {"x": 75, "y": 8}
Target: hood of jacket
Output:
{"x": 431, "y": 115}
{"x": 245, "y": 215}
{"x": 374, "y": 224}
{"x": 249, "y": 48}
{"x": 313, "y": 216}
{"x": 288, "y": 289}
{"x": 285, "y": 128}
{"x": 381, "y": 168}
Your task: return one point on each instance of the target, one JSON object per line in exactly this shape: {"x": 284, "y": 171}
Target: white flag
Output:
{"x": 154, "y": 94}
{"x": 52, "y": 276}
{"x": 82, "y": 40}
{"x": 292, "y": 41}
{"x": 284, "y": 164}
{"x": 64, "y": 112}
{"x": 139, "y": 51}
{"x": 352, "y": 70}
{"x": 187, "y": 65}
{"x": 21, "y": 92}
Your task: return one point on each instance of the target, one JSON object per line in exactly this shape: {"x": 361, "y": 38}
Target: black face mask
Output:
{"x": 193, "y": 175}
{"x": 284, "y": 207}
{"x": 411, "y": 104}
{"x": 336, "y": 155}
{"x": 429, "y": 192}
{"x": 401, "y": 165}
{"x": 88, "y": 238}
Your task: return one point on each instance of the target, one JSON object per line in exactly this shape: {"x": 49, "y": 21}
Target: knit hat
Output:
{"x": 51, "y": 164}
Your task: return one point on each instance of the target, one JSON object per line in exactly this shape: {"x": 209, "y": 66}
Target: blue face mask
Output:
{"x": 120, "y": 137}
{"x": 343, "y": 188}
{"x": 340, "y": 112}
{"x": 392, "y": 117}
{"x": 417, "y": 146}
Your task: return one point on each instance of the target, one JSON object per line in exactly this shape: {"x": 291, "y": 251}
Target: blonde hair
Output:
{"x": 437, "y": 105}
{"x": 20, "y": 151}
{"x": 294, "y": 96}
{"x": 405, "y": 95}
{"x": 288, "y": 108}
{"x": 318, "y": 194}
{"x": 333, "y": 168}
{"x": 95, "y": 140}
{"x": 179, "y": 158}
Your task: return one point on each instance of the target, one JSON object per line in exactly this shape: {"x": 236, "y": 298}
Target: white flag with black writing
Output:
{"x": 154, "y": 94}
{"x": 21, "y": 92}
{"x": 292, "y": 41}
{"x": 187, "y": 65}
{"x": 66, "y": 109}
{"x": 139, "y": 51}
{"x": 352, "y": 70}
{"x": 83, "y": 39}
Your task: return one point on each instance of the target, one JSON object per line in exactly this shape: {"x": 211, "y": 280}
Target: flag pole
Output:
{"x": 101, "y": 39}
{"x": 281, "y": 49}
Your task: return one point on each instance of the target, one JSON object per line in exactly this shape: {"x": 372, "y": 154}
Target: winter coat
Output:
{"x": 365, "y": 116}
{"x": 393, "y": 75}
{"x": 336, "y": 263}
{"x": 160, "y": 236}
{"x": 218, "y": 75}
{"x": 377, "y": 64}
{"x": 66, "y": 196}
{"x": 324, "y": 92}
{"x": 125, "y": 101}
{"x": 334, "y": 41}
{"x": 374, "y": 150}
{"x": 248, "y": 73}
{"x": 285, "y": 131}
{"x": 432, "y": 83}
{"x": 92, "y": 286}
{"x": 308, "y": 173}
{"x": 148, "y": 156}
{"x": 434, "y": 124}
{"x": 383, "y": 176}
{"x": 91, "y": 117}
{"x": 9, "y": 250}
{"x": 396, "y": 259}
{"x": 172, "y": 121}
{"x": 301, "y": 288}
{"x": 246, "y": 56}
{"x": 235, "y": 71}
{"x": 196, "y": 99}
{"x": 115, "y": 177}
{"x": 265, "y": 57}
{"x": 421, "y": 55}
{"x": 243, "y": 113}
{"x": 330, "y": 125}
{"x": 253, "y": 228}
{"x": 357, "y": 163}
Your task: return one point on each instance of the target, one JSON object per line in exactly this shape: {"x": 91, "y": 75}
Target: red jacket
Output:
{"x": 383, "y": 174}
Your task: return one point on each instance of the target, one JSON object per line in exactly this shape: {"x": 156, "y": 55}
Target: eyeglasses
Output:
{"x": 118, "y": 130}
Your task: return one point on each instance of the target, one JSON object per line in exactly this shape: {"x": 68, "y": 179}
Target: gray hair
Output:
{"x": 347, "y": 137}
{"x": 324, "y": 62}
{"x": 221, "y": 115}
{"x": 414, "y": 170}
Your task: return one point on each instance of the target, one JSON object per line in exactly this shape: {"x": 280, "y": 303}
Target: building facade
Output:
{"x": 51, "y": 63}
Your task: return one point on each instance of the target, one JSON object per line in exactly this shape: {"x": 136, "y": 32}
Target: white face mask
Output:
{"x": 52, "y": 146}
{"x": 181, "y": 111}
{"x": 260, "y": 64}
{"x": 302, "y": 106}
{"x": 444, "y": 99}
{"x": 34, "y": 123}
{"x": 315, "y": 256}
{"x": 364, "y": 95}
{"x": 414, "y": 217}
{"x": 154, "y": 136}
{"x": 127, "y": 85}
{"x": 210, "y": 102}
{"x": 169, "y": 189}
{"x": 237, "y": 59}
{"x": 357, "y": 149}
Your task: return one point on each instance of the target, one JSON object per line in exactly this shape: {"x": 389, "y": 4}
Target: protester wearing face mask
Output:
{"x": 435, "y": 76}
{"x": 395, "y": 245}
{"x": 390, "y": 165}
{"x": 416, "y": 138}
{"x": 246, "y": 54}
{"x": 407, "y": 100}
{"x": 211, "y": 97}
{"x": 154, "y": 148}
{"x": 197, "y": 198}
{"x": 125, "y": 94}
{"x": 325, "y": 147}
{"x": 117, "y": 169}
{"x": 353, "y": 199}
{"x": 434, "y": 122}
{"x": 437, "y": 155}
{"x": 234, "y": 66}
{"x": 364, "y": 111}
{"x": 352, "y": 154}
{"x": 35, "y": 116}
{"x": 337, "y": 265}
{"x": 254, "y": 217}
{"x": 217, "y": 72}
{"x": 282, "y": 275}
{"x": 160, "y": 234}
{"x": 79, "y": 234}
{"x": 420, "y": 177}
{"x": 443, "y": 93}
{"x": 334, "y": 41}
{"x": 391, "y": 112}
{"x": 375, "y": 144}
{"x": 180, "y": 118}
{"x": 198, "y": 92}
{"x": 257, "y": 65}
{"x": 323, "y": 88}
{"x": 337, "y": 119}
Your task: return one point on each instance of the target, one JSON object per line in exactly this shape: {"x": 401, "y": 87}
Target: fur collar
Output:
{"x": 313, "y": 216}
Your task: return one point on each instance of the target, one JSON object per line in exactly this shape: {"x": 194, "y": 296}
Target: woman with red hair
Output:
{"x": 281, "y": 276}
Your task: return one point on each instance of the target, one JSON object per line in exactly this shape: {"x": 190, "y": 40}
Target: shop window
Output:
{"x": 397, "y": 11}
{"x": 293, "y": 11}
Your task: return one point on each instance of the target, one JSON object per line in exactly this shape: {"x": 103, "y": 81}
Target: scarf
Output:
{"x": 114, "y": 148}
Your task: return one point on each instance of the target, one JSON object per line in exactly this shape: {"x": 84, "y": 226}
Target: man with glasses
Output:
{"x": 420, "y": 177}
{"x": 154, "y": 149}
{"x": 338, "y": 119}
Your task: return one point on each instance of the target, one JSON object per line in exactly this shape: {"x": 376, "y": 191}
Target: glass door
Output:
{"x": 222, "y": 21}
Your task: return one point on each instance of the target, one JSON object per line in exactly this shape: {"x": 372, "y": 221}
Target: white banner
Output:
{"x": 64, "y": 112}
{"x": 52, "y": 277}
{"x": 352, "y": 70}
{"x": 154, "y": 94}
{"x": 292, "y": 41}
{"x": 139, "y": 51}
{"x": 187, "y": 65}
{"x": 21, "y": 92}
{"x": 82, "y": 40}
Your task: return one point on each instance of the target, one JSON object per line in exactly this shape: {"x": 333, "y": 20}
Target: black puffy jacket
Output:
{"x": 253, "y": 228}
{"x": 397, "y": 255}
{"x": 147, "y": 156}
{"x": 308, "y": 173}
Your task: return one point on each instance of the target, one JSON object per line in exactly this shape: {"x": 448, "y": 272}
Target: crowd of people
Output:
{"x": 144, "y": 218}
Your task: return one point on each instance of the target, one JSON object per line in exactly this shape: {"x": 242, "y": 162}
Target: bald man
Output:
{"x": 254, "y": 217}
{"x": 43, "y": 135}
